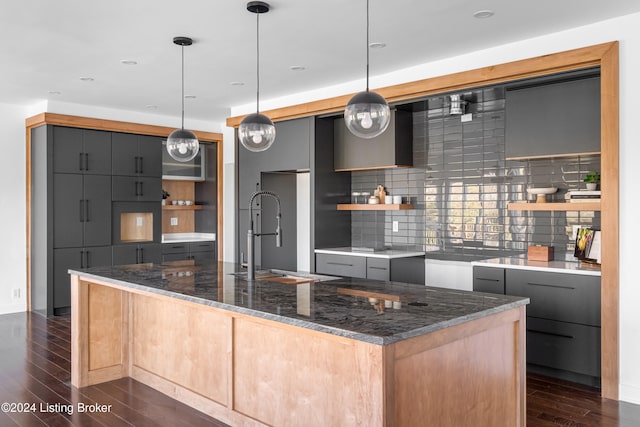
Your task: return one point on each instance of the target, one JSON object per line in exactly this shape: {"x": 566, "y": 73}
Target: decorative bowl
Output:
{"x": 541, "y": 193}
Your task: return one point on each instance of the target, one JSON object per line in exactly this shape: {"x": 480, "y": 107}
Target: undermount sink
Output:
{"x": 284, "y": 276}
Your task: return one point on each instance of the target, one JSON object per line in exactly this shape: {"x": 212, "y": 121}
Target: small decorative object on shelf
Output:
{"x": 165, "y": 196}
{"x": 592, "y": 180}
{"x": 542, "y": 193}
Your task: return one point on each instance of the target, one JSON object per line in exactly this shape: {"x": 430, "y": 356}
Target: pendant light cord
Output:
{"x": 183, "y": 86}
{"x": 367, "y": 45}
{"x": 258, "y": 62}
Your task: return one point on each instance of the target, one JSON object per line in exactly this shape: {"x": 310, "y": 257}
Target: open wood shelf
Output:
{"x": 181, "y": 208}
{"x": 582, "y": 206}
{"x": 374, "y": 207}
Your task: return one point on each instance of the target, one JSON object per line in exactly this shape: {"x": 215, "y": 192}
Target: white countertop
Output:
{"x": 388, "y": 253}
{"x": 556, "y": 266}
{"x": 188, "y": 237}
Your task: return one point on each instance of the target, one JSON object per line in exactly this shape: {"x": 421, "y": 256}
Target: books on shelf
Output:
{"x": 577, "y": 196}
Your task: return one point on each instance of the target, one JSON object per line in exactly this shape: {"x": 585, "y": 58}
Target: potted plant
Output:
{"x": 592, "y": 180}
{"x": 165, "y": 196}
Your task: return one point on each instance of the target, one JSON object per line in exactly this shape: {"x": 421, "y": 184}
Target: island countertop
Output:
{"x": 348, "y": 307}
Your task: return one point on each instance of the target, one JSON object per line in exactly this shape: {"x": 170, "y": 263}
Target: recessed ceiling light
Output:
{"x": 151, "y": 107}
{"x": 297, "y": 68}
{"x": 377, "y": 45}
{"x": 190, "y": 97}
{"x": 482, "y": 14}
{"x": 86, "y": 79}
{"x": 55, "y": 92}
{"x": 128, "y": 62}
{"x": 237, "y": 83}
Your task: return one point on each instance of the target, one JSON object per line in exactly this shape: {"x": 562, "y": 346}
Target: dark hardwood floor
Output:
{"x": 35, "y": 371}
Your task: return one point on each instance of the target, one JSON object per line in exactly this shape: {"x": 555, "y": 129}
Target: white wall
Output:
{"x": 622, "y": 29}
{"x": 13, "y": 261}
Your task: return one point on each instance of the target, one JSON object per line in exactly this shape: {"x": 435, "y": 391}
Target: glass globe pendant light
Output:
{"x": 367, "y": 113}
{"x": 182, "y": 144}
{"x": 256, "y": 131}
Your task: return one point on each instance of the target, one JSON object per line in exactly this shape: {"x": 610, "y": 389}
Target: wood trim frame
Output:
{"x": 114, "y": 126}
{"x": 606, "y": 56}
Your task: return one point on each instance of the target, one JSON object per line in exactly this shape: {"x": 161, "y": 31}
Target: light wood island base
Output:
{"x": 248, "y": 371}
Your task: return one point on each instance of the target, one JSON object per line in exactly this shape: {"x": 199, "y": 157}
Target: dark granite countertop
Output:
{"x": 348, "y": 307}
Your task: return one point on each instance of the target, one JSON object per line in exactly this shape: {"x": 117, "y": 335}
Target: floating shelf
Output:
{"x": 551, "y": 206}
{"x": 374, "y": 207}
{"x": 181, "y": 208}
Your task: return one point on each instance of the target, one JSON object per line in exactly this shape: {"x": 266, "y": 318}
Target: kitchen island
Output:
{"x": 298, "y": 351}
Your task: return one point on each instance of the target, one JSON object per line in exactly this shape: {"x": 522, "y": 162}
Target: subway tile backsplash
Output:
{"x": 460, "y": 186}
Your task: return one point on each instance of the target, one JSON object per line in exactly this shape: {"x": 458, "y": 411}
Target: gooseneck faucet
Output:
{"x": 251, "y": 259}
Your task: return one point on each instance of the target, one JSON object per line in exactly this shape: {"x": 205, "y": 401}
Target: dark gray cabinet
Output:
{"x": 136, "y": 155}
{"x": 408, "y": 270}
{"x": 341, "y": 265}
{"x": 137, "y": 253}
{"x": 378, "y": 268}
{"x": 81, "y": 210}
{"x": 552, "y": 119}
{"x": 74, "y": 258}
{"x": 81, "y": 151}
{"x": 136, "y": 189}
{"x": 488, "y": 279}
{"x": 393, "y": 148}
{"x": 202, "y": 251}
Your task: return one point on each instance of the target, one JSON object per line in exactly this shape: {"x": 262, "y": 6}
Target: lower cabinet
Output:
{"x": 137, "y": 253}
{"x": 563, "y": 319}
{"x": 66, "y": 258}
{"x": 201, "y": 251}
{"x": 406, "y": 270}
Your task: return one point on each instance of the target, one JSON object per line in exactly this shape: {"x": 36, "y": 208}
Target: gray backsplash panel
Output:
{"x": 460, "y": 186}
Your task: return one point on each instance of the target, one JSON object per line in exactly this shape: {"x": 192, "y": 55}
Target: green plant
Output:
{"x": 593, "y": 177}
{"x": 165, "y": 195}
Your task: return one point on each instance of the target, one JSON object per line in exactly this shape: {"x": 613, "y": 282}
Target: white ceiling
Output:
{"x": 49, "y": 45}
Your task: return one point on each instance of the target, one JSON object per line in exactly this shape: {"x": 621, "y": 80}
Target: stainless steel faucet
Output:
{"x": 251, "y": 259}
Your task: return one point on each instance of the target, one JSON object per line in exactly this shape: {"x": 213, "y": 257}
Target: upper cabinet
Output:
{"x": 136, "y": 155}
{"x": 553, "y": 119}
{"x": 82, "y": 151}
{"x": 393, "y": 148}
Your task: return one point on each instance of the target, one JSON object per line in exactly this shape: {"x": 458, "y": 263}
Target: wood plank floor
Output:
{"x": 35, "y": 370}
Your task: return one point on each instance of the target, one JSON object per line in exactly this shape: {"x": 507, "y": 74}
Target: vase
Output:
{"x": 592, "y": 186}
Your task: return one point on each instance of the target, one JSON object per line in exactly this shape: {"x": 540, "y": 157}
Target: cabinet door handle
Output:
{"x": 551, "y": 286}
{"x": 377, "y": 268}
{"x": 138, "y": 188}
{"x": 135, "y": 164}
{"x": 340, "y": 263}
{"x": 86, "y": 259}
{"x": 81, "y": 210}
{"x": 86, "y": 161}
{"x": 141, "y": 256}
{"x": 141, "y": 188}
{"x": 140, "y": 163}
{"x": 487, "y": 280}
{"x": 553, "y": 334}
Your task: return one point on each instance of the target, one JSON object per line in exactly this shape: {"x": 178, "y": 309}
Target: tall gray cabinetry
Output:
{"x": 76, "y": 201}
{"x": 71, "y": 209}
{"x": 289, "y": 154}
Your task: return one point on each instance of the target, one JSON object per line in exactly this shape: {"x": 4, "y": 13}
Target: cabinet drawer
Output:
{"x": 378, "y": 268}
{"x": 175, "y": 248}
{"x": 202, "y": 246}
{"x": 488, "y": 279}
{"x": 341, "y": 265}
{"x": 175, "y": 256}
{"x": 562, "y": 345}
{"x": 557, "y": 296}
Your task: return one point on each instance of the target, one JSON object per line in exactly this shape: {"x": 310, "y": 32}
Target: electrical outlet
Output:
{"x": 395, "y": 226}
{"x": 17, "y": 293}
{"x": 174, "y": 221}
{"x": 139, "y": 221}
{"x": 466, "y": 117}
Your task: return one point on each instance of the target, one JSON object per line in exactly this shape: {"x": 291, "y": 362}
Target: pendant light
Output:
{"x": 182, "y": 144}
{"x": 256, "y": 131}
{"x": 367, "y": 114}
